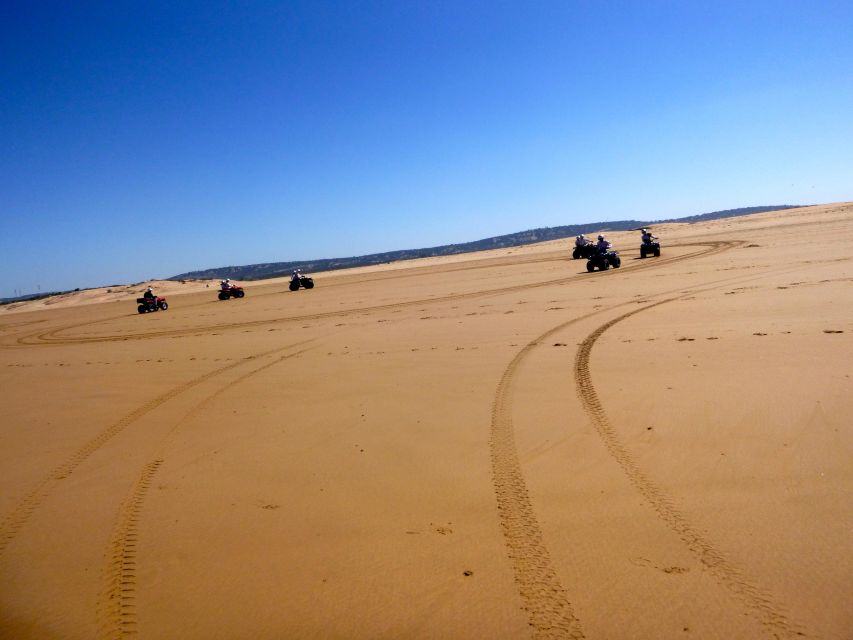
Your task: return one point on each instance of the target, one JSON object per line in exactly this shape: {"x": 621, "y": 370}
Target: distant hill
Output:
{"x": 31, "y": 296}
{"x": 277, "y": 269}
{"x": 729, "y": 213}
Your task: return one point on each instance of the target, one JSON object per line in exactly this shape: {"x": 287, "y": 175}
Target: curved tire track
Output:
{"x": 758, "y": 603}
{"x": 54, "y": 336}
{"x": 21, "y": 514}
{"x": 546, "y": 602}
{"x": 119, "y": 606}
{"x": 117, "y": 610}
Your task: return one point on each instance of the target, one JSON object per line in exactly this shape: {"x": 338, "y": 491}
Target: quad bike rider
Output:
{"x": 650, "y": 244}
{"x": 603, "y": 257}
{"x": 584, "y": 247}
{"x": 298, "y": 279}
{"x": 228, "y": 290}
{"x": 150, "y": 302}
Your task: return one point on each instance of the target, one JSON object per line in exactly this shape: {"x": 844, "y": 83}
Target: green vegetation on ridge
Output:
{"x": 278, "y": 269}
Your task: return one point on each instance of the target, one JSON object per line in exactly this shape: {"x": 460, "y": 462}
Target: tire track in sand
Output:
{"x": 117, "y": 610}
{"x": 545, "y": 600}
{"x": 549, "y": 612}
{"x": 757, "y": 603}
{"x": 20, "y": 515}
{"x": 55, "y": 337}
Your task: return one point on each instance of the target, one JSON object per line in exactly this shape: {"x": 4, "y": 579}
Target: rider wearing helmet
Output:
{"x": 225, "y": 284}
{"x": 603, "y": 244}
{"x": 581, "y": 241}
{"x": 149, "y": 294}
{"x": 648, "y": 238}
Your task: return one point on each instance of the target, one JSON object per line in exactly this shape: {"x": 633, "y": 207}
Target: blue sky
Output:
{"x": 141, "y": 140}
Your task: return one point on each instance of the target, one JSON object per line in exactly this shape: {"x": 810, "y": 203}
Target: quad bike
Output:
{"x": 603, "y": 260}
{"x": 650, "y": 248}
{"x": 151, "y": 304}
{"x": 231, "y": 292}
{"x": 303, "y": 281}
{"x": 583, "y": 252}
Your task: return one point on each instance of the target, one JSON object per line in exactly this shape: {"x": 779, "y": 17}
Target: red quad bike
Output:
{"x": 151, "y": 304}
{"x": 232, "y": 292}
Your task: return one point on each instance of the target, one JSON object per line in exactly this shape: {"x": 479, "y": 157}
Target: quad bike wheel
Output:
{"x": 294, "y": 286}
{"x": 617, "y": 262}
{"x": 657, "y": 253}
{"x": 309, "y": 284}
{"x": 240, "y": 294}
{"x": 223, "y": 295}
{"x": 142, "y": 308}
{"x": 164, "y": 305}
{"x": 590, "y": 267}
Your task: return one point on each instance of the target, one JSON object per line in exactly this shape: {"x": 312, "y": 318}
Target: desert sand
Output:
{"x": 495, "y": 445}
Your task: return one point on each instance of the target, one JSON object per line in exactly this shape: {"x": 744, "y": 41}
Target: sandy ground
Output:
{"x": 496, "y": 445}
{"x": 120, "y": 292}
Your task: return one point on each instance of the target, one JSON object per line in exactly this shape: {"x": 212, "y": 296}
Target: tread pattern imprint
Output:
{"x": 12, "y": 524}
{"x": 550, "y": 614}
{"x": 757, "y": 603}
{"x": 117, "y": 611}
{"x": 546, "y": 601}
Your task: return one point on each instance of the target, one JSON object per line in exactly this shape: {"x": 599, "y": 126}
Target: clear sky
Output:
{"x": 145, "y": 139}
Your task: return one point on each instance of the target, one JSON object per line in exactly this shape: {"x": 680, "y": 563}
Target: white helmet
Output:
{"x": 227, "y": 279}
{"x": 600, "y": 237}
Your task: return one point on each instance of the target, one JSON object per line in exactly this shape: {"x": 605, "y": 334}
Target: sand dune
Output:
{"x": 495, "y": 445}
{"x": 115, "y": 293}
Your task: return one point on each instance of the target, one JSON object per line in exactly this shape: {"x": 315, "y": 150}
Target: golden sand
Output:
{"x": 494, "y": 445}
